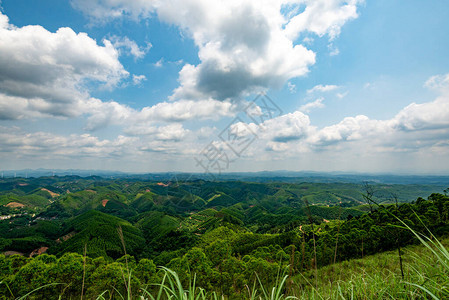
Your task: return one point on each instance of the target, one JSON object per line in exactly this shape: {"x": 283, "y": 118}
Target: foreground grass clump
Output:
{"x": 172, "y": 288}
{"x": 426, "y": 275}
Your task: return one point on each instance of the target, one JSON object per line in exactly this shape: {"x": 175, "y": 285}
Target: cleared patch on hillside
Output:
{"x": 15, "y": 205}
{"x": 52, "y": 194}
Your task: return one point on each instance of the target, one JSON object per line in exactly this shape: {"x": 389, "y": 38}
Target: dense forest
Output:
{"x": 84, "y": 236}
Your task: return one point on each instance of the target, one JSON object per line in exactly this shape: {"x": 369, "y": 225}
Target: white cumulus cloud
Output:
{"x": 44, "y": 73}
{"x": 322, "y": 88}
{"x": 318, "y": 103}
{"x": 322, "y": 17}
{"x": 243, "y": 46}
{"x": 104, "y": 10}
{"x": 130, "y": 46}
{"x": 184, "y": 110}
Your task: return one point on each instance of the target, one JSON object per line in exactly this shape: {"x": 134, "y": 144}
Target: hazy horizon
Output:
{"x": 287, "y": 173}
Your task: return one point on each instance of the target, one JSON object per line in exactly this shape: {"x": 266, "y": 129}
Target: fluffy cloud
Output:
{"x": 184, "y": 110}
{"x": 106, "y": 113}
{"x": 277, "y": 134}
{"x": 159, "y": 63}
{"x": 45, "y": 74}
{"x": 432, "y": 118}
{"x": 48, "y": 145}
{"x": 142, "y": 122}
{"x": 417, "y": 131}
{"x": 319, "y": 89}
{"x": 417, "y": 122}
{"x": 422, "y": 125}
{"x": 130, "y": 46}
{"x": 318, "y": 103}
{"x": 19, "y": 145}
{"x": 430, "y": 115}
{"x": 322, "y": 88}
{"x": 439, "y": 83}
{"x": 171, "y": 132}
{"x": 322, "y": 17}
{"x": 414, "y": 128}
{"x": 289, "y": 127}
{"x": 138, "y": 79}
{"x": 349, "y": 129}
{"x": 111, "y": 9}
{"x": 243, "y": 46}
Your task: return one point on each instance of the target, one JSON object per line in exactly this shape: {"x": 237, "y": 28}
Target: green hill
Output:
{"x": 99, "y": 233}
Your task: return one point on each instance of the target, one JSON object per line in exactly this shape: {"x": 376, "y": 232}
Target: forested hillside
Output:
{"x": 224, "y": 232}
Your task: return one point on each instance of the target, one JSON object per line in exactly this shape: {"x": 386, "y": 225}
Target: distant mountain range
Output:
{"x": 58, "y": 172}
{"x": 262, "y": 176}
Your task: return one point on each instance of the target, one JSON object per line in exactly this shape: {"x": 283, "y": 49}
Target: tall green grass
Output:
{"x": 379, "y": 276}
{"x": 437, "y": 284}
{"x": 172, "y": 288}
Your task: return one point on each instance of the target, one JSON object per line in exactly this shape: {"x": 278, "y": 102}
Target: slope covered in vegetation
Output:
{"x": 224, "y": 232}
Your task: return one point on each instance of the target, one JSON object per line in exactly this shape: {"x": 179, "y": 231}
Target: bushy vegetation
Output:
{"x": 236, "y": 239}
{"x": 373, "y": 277}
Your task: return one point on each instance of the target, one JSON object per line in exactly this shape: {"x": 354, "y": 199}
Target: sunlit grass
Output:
{"x": 379, "y": 276}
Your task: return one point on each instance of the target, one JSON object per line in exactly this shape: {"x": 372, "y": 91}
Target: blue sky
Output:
{"x": 150, "y": 85}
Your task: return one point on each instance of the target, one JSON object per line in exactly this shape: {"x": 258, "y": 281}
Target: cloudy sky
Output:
{"x": 225, "y": 86}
